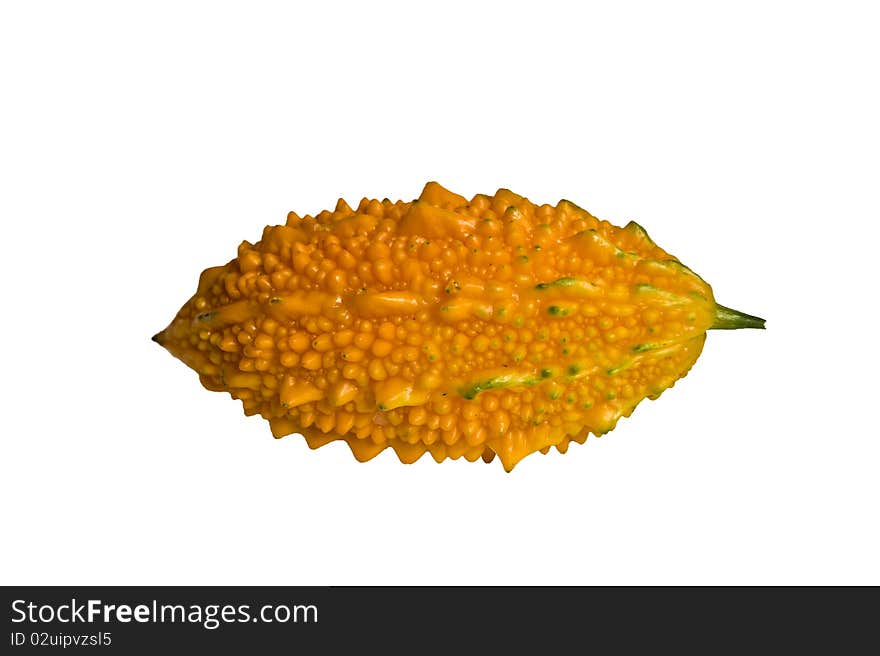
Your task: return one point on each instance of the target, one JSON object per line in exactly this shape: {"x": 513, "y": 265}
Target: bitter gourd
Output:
{"x": 448, "y": 326}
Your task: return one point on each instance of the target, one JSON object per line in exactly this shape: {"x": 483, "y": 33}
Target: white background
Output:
{"x": 141, "y": 145}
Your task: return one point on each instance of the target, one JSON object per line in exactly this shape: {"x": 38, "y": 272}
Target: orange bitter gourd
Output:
{"x": 448, "y": 326}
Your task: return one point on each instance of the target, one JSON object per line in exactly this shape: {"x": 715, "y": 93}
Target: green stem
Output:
{"x": 727, "y": 319}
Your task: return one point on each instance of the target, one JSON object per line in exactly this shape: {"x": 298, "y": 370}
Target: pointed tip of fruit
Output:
{"x": 158, "y": 338}
{"x": 729, "y": 319}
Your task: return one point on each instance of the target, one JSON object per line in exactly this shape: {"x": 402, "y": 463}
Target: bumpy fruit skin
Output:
{"x": 456, "y": 327}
